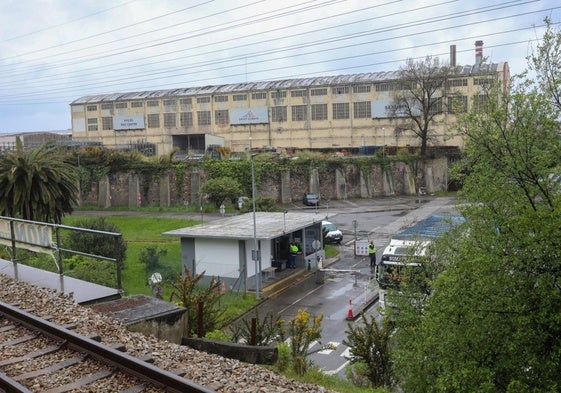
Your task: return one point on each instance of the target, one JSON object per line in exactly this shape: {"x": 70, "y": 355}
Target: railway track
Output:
{"x": 38, "y": 356}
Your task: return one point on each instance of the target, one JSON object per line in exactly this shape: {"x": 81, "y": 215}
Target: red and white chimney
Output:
{"x": 478, "y": 52}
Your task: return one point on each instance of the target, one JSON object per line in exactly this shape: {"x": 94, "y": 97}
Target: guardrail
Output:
{"x": 38, "y": 237}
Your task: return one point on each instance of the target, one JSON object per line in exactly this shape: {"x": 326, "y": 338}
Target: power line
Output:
{"x": 14, "y": 80}
{"x": 172, "y": 72}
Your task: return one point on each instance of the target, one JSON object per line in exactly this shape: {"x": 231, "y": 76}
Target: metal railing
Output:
{"x": 23, "y": 237}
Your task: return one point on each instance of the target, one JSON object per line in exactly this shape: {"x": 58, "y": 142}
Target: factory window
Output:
{"x": 153, "y": 120}
{"x": 457, "y": 82}
{"x": 239, "y": 97}
{"x": 92, "y": 124}
{"x": 153, "y": 103}
{"x": 298, "y": 93}
{"x": 479, "y": 101}
{"x": 137, "y": 104}
{"x": 91, "y": 108}
{"x": 319, "y": 112}
{"x": 259, "y": 96}
{"x": 186, "y": 119}
{"x": 384, "y": 87}
{"x": 299, "y": 113}
{"x": 186, "y": 101}
{"x": 170, "y": 120}
{"x": 107, "y": 106}
{"x": 435, "y": 106}
{"x": 220, "y": 98}
{"x": 341, "y": 111}
{"x": 121, "y": 105}
{"x": 107, "y": 123}
{"x": 203, "y": 118}
{"x": 170, "y": 102}
{"x": 319, "y": 92}
{"x": 203, "y": 100}
{"x": 221, "y": 117}
{"x": 278, "y": 113}
{"x": 278, "y": 94}
{"x": 457, "y": 104}
{"x": 361, "y": 89}
{"x": 336, "y": 90}
{"x": 362, "y": 110}
{"x": 482, "y": 81}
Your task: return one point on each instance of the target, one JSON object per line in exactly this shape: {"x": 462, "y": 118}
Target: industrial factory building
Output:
{"x": 336, "y": 112}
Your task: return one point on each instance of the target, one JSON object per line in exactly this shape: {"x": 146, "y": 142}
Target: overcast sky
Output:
{"x": 55, "y": 51}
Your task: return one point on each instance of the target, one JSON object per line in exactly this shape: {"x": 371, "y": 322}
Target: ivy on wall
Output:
{"x": 268, "y": 168}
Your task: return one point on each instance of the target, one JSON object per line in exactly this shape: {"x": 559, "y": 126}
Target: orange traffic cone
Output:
{"x": 350, "y": 315}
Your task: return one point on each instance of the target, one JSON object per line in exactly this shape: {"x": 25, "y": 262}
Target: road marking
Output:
{"x": 299, "y": 300}
{"x": 336, "y": 371}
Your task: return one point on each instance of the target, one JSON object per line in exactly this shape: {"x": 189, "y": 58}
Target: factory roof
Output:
{"x": 314, "y": 82}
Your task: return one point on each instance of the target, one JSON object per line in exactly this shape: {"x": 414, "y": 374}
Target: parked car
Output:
{"x": 331, "y": 234}
{"x": 310, "y": 199}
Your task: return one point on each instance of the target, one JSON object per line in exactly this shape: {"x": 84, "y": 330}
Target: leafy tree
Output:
{"x": 187, "y": 291}
{"x": 492, "y": 322}
{"x": 37, "y": 184}
{"x": 370, "y": 344}
{"x": 302, "y": 330}
{"x": 418, "y": 97}
{"x": 221, "y": 189}
{"x": 546, "y": 62}
{"x": 96, "y": 243}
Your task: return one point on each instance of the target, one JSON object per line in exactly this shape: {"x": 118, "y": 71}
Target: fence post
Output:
{"x": 13, "y": 235}
{"x": 59, "y": 256}
{"x": 118, "y": 261}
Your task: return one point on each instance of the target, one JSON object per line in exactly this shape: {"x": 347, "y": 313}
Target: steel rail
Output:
{"x": 103, "y": 353}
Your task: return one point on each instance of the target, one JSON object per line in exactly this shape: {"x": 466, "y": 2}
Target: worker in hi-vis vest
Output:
{"x": 294, "y": 251}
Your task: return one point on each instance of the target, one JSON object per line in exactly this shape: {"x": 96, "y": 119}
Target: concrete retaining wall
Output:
{"x": 245, "y": 353}
{"x": 341, "y": 182}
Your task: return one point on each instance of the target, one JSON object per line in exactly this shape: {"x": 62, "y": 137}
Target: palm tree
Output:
{"x": 37, "y": 184}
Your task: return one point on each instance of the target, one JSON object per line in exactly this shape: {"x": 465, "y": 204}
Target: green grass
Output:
{"x": 331, "y": 382}
{"x": 139, "y": 232}
{"x": 330, "y": 251}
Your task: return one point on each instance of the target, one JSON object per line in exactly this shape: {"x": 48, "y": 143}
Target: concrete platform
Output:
{"x": 148, "y": 315}
{"x": 83, "y": 292}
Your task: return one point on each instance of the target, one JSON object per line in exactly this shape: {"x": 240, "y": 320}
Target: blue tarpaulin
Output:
{"x": 431, "y": 227}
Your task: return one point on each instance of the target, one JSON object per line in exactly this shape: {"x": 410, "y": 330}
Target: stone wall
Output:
{"x": 338, "y": 182}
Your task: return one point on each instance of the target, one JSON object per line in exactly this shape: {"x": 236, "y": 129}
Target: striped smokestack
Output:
{"x": 478, "y": 52}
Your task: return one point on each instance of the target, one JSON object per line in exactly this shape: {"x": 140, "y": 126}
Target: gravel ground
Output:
{"x": 214, "y": 372}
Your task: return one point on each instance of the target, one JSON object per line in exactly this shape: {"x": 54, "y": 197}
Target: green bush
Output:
{"x": 221, "y": 189}
{"x": 91, "y": 270}
{"x": 283, "y": 359}
{"x": 358, "y": 373}
{"x": 94, "y": 243}
{"x": 217, "y": 335}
